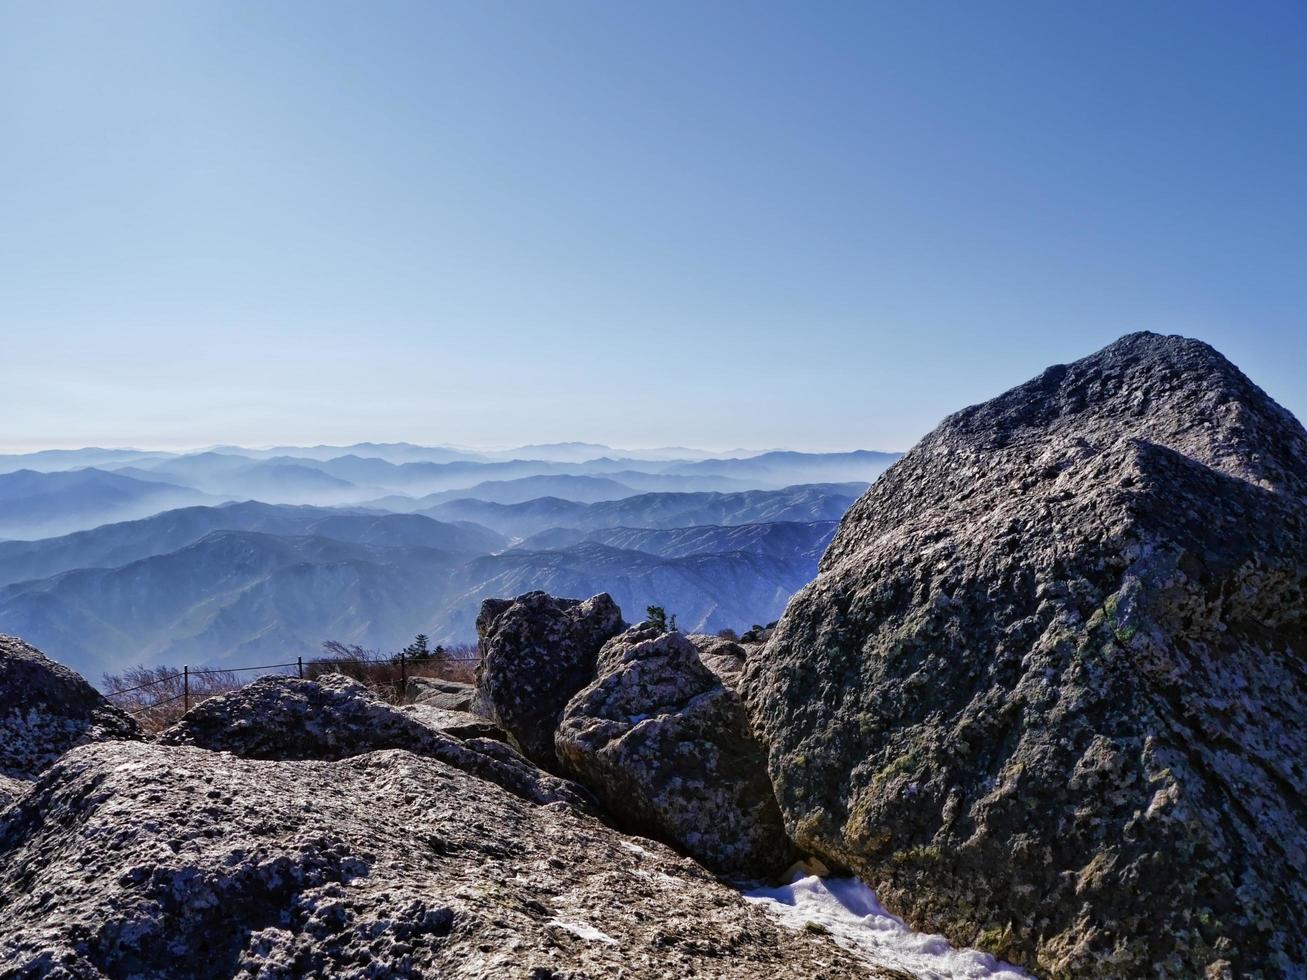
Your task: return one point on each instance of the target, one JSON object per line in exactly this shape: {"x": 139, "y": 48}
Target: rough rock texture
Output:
{"x": 460, "y": 724}
{"x": 46, "y": 709}
{"x": 384, "y": 865}
{"x": 723, "y": 657}
{"x": 1047, "y": 694}
{"x": 667, "y": 747}
{"x": 439, "y": 693}
{"x": 335, "y": 718}
{"x": 536, "y": 652}
{"x": 11, "y": 789}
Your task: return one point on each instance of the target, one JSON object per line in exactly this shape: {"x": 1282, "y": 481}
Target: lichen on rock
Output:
{"x": 47, "y": 709}
{"x": 1048, "y": 692}
{"x": 667, "y": 748}
{"x": 334, "y": 717}
{"x": 131, "y": 859}
{"x": 536, "y": 652}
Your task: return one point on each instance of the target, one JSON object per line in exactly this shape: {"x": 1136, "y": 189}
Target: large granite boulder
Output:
{"x": 334, "y": 717}
{"x": 45, "y": 710}
{"x": 139, "y": 860}
{"x": 667, "y": 748}
{"x": 536, "y": 652}
{"x": 1048, "y": 694}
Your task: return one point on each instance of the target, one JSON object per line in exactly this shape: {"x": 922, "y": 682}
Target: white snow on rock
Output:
{"x": 850, "y": 912}
{"x": 584, "y": 931}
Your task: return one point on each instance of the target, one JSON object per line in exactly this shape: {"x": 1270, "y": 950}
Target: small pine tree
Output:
{"x": 418, "y": 649}
{"x": 658, "y": 616}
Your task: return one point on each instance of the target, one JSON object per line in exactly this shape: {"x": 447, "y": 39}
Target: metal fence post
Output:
{"x": 299, "y": 662}
{"x": 186, "y": 688}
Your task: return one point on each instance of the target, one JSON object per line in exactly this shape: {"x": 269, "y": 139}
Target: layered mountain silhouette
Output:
{"x": 268, "y": 579}
{"x": 656, "y": 510}
{"x": 37, "y": 505}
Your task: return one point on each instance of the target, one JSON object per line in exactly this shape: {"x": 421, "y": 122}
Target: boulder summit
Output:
{"x": 1046, "y": 695}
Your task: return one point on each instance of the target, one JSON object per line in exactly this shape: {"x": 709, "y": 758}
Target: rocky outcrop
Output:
{"x": 11, "y": 789}
{"x": 1047, "y": 694}
{"x": 131, "y": 859}
{"x": 460, "y": 724}
{"x": 440, "y": 693}
{"x": 536, "y": 652}
{"x": 284, "y": 718}
{"x": 45, "y": 710}
{"x": 723, "y": 657}
{"x": 667, "y": 747}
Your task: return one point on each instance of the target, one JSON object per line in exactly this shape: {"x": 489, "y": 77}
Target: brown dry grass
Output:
{"x": 155, "y": 696}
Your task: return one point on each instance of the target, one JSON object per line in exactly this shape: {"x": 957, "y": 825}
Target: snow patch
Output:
{"x": 850, "y": 912}
{"x": 584, "y": 931}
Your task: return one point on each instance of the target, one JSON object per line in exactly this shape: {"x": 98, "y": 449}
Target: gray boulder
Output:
{"x": 536, "y": 652}
{"x": 47, "y": 709}
{"x": 440, "y": 693}
{"x": 1048, "y": 694}
{"x": 667, "y": 748}
{"x": 723, "y": 657}
{"x": 283, "y": 718}
{"x": 460, "y": 724}
{"x": 140, "y": 860}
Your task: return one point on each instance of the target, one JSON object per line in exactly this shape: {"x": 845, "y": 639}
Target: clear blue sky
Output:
{"x": 721, "y": 224}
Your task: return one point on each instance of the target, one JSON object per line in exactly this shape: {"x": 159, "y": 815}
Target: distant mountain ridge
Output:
{"x": 231, "y": 597}
{"x": 112, "y": 545}
{"x": 36, "y": 505}
{"x": 819, "y": 502}
{"x": 255, "y": 583}
{"x": 232, "y": 555}
{"x": 786, "y": 539}
{"x": 707, "y": 592}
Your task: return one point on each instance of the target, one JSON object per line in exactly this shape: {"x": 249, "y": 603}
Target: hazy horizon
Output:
{"x": 188, "y": 449}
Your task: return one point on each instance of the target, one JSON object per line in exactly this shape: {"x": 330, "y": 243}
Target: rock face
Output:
{"x": 11, "y": 789}
{"x": 537, "y": 651}
{"x": 45, "y": 710}
{"x": 384, "y": 865}
{"x": 460, "y": 724}
{"x": 667, "y": 747}
{"x": 1047, "y": 694}
{"x": 282, "y": 718}
{"x": 723, "y": 657}
{"x": 438, "y": 693}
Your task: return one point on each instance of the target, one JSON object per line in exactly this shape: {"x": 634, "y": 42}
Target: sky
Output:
{"x": 719, "y": 224}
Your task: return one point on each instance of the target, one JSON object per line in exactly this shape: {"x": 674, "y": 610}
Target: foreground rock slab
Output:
{"x": 1048, "y": 694}
{"x": 536, "y": 652}
{"x": 382, "y": 865}
{"x": 667, "y": 748}
{"x": 334, "y": 717}
{"x": 440, "y": 693}
{"x": 45, "y": 710}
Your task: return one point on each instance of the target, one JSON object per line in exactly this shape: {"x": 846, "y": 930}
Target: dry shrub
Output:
{"x": 156, "y": 696}
{"x": 454, "y": 663}
{"x": 383, "y": 673}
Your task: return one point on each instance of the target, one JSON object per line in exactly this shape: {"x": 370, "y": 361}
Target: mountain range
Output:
{"x": 233, "y": 556}
{"x": 37, "y": 505}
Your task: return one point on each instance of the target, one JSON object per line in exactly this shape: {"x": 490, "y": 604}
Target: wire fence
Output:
{"x": 405, "y": 664}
